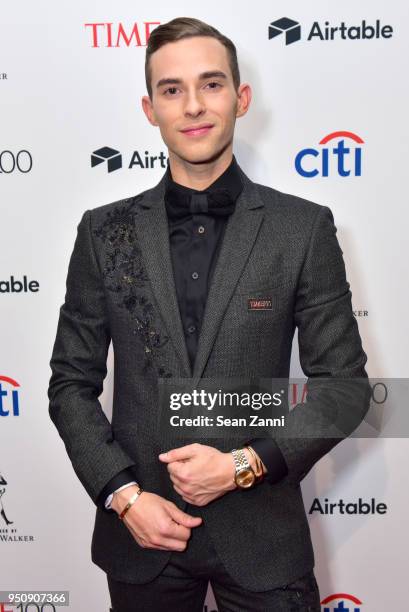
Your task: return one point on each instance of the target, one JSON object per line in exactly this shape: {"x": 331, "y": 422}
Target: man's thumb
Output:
{"x": 183, "y": 518}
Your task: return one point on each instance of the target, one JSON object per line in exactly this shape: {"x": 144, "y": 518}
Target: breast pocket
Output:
{"x": 255, "y": 287}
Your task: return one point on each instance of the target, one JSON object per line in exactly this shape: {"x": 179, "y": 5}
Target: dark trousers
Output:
{"x": 182, "y": 586}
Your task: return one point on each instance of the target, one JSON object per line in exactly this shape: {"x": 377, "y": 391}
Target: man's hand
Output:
{"x": 200, "y": 473}
{"x": 154, "y": 521}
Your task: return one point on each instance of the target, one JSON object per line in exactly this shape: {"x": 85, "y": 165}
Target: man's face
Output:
{"x": 194, "y": 98}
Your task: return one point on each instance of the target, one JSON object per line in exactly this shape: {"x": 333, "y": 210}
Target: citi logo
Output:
{"x": 337, "y": 603}
{"x": 9, "y": 397}
{"x": 341, "y": 160}
{"x": 291, "y": 31}
{"x": 113, "y": 159}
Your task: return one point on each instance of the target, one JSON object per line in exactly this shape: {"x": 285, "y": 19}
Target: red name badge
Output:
{"x": 260, "y": 303}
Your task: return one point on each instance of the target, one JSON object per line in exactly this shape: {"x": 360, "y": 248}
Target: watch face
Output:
{"x": 245, "y": 478}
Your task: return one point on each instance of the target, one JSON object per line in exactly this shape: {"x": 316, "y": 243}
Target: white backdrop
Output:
{"x": 62, "y": 97}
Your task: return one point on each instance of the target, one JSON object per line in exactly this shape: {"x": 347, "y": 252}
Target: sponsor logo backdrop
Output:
{"x": 327, "y": 122}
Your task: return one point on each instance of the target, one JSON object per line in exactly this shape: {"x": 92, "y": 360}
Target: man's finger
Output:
{"x": 178, "y": 532}
{"x": 178, "y": 454}
{"x": 183, "y": 495}
{"x": 172, "y": 544}
{"x": 175, "y": 478}
{"x": 178, "y": 470}
{"x": 183, "y": 517}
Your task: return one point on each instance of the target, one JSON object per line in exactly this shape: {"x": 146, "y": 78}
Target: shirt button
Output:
{"x": 200, "y": 229}
{"x": 191, "y": 329}
{"x": 195, "y": 275}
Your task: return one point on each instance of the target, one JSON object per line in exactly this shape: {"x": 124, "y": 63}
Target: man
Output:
{"x": 169, "y": 276}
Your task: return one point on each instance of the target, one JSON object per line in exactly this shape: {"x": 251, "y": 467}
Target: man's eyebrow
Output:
{"x": 204, "y": 75}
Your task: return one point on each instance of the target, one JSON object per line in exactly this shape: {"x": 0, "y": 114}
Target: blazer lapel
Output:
{"x": 153, "y": 234}
{"x": 152, "y": 231}
{"x": 241, "y": 232}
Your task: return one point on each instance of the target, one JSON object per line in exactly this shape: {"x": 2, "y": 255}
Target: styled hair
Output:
{"x": 187, "y": 27}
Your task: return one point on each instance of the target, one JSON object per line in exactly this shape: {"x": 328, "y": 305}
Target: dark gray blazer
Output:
{"x": 120, "y": 286}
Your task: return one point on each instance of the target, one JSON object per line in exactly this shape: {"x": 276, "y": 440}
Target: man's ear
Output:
{"x": 244, "y": 94}
{"x": 148, "y": 110}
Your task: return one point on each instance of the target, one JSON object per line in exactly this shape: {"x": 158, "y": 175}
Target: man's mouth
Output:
{"x": 197, "y": 131}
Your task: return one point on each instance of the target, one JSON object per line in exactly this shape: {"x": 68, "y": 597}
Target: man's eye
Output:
{"x": 172, "y": 90}
{"x": 169, "y": 89}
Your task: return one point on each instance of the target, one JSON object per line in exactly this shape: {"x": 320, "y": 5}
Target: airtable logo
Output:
{"x": 112, "y": 157}
{"x": 292, "y": 30}
{"x": 325, "y": 32}
{"x": 316, "y": 162}
{"x": 341, "y": 598}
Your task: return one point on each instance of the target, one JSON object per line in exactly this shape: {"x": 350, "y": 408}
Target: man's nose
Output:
{"x": 194, "y": 103}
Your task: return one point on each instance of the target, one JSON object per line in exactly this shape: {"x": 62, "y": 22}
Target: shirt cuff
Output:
{"x": 111, "y": 495}
{"x": 122, "y": 478}
{"x": 272, "y": 457}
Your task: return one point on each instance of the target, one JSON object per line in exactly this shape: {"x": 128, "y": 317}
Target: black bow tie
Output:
{"x": 217, "y": 202}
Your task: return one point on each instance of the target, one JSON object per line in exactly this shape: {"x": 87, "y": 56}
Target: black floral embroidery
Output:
{"x": 123, "y": 255}
{"x": 125, "y": 275}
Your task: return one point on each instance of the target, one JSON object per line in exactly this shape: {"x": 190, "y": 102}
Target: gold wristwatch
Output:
{"x": 244, "y": 477}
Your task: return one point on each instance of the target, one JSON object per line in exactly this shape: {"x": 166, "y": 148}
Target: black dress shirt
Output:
{"x": 195, "y": 241}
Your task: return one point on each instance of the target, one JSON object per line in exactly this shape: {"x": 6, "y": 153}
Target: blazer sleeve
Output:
{"x": 331, "y": 355}
{"x": 78, "y": 365}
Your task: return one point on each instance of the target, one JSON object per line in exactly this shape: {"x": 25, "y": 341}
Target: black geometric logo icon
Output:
{"x": 292, "y": 30}
{"x": 111, "y": 156}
